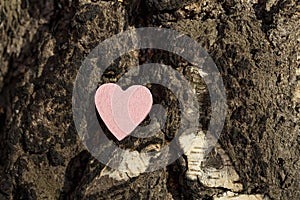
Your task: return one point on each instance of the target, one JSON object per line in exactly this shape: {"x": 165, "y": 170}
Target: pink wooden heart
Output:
{"x": 122, "y": 111}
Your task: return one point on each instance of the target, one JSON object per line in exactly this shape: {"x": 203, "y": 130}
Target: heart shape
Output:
{"x": 122, "y": 111}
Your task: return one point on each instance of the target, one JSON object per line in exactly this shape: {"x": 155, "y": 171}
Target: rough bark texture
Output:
{"x": 255, "y": 45}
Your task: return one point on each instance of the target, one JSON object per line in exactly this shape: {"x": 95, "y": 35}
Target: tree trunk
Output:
{"x": 255, "y": 45}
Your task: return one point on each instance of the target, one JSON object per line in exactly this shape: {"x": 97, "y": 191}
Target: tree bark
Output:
{"x": 255, "y": 45}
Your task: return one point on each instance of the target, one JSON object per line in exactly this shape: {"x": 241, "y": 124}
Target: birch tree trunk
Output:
{"x": 255, "y": 45}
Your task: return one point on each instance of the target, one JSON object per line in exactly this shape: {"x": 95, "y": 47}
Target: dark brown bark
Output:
{"x": 254, "y": 45}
